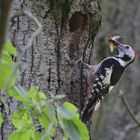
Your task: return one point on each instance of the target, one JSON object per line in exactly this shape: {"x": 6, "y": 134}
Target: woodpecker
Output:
{"x": 101, "y": 78}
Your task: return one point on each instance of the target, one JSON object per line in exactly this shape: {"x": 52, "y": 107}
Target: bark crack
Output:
{"x": 2, "y": 125}
{"x": 49, "y": 76}
{"x": 32, "y": 65}
{"x": 58, "y": 56}
{"x": 58, "y": 66}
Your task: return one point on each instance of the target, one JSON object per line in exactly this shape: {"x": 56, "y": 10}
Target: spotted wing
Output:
{"x": 101, "y": 86}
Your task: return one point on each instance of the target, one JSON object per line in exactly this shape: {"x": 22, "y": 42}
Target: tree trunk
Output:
{"x": 68, "y": 31}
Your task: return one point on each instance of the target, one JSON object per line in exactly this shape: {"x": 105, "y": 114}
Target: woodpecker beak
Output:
{"x": 114, "y": 43}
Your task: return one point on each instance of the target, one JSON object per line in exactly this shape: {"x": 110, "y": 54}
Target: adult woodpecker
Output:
{"x": 101, "y": 78}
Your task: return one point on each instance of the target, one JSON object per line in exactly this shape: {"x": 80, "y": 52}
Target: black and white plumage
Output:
{"x": 102, "y": 77}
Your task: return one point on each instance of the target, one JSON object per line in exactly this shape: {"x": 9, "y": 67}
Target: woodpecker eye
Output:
{"x": 127, "y": 47}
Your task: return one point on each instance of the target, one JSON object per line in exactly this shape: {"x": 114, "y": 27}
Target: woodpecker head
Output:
{"x": 126, "y": 53}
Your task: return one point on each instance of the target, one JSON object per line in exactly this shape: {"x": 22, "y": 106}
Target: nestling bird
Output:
{"x": 101, "y": 78}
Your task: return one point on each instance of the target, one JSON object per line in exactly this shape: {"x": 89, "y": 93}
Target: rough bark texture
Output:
{"x": 112, "y": 122}
{"x": 69, "y": 28}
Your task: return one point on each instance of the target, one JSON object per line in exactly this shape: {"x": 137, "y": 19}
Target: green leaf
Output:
{"x": 8, "y": 76}
{"x": 44, "y": 119}
{"x": 29, "y": 134}
{"x": 7, "y": 67}
{"x": 42, "y": 95}
{"x": 15, "y": 136}
{"x": 82, "y": 128}
{"x": 8, "y": 47}
{"x": 71, "y": 130}
{"x": 1, "y": 119}
{"x": 33, "y": 90}
{"x": 6, "y": 71}
{"x": 47, "y": 134}
{"x": 64, "y": 112}
{"x": 7, "y": 58}
{"x": 36, "y": 99}
{"x": 48, "y": 119}
{"x": 70, "y": 122}
{"x": 23, "y": 124}
{"x": 33, "y": 93}
{"x": 22, "y": 120}
{"x": 37, "y": 135}
{"x": 18, "y": 92}
{"x": 56, "y": 97}
{"x": 74, "y": 129}
{"x": 71, "y": 107}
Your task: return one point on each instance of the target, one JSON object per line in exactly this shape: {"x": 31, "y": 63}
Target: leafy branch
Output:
{"x": 37, "y": 108}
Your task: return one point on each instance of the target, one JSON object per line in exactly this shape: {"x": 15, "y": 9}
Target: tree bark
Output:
{"x": 68, "y": 31}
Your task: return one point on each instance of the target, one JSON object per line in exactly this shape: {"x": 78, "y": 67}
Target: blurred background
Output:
{"x": 112, "y": 121}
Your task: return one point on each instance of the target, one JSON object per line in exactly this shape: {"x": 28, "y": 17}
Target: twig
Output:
{"x": 131, "y": 113}
{"x": 4, "y": 13}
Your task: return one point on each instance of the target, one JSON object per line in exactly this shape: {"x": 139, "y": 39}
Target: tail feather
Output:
{"x": 88, "y": 111}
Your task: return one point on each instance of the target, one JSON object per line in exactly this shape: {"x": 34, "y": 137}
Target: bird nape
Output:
{"x": 101, "y": 78}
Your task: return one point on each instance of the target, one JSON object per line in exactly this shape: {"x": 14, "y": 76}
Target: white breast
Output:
{"x": 108, "y": 74}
